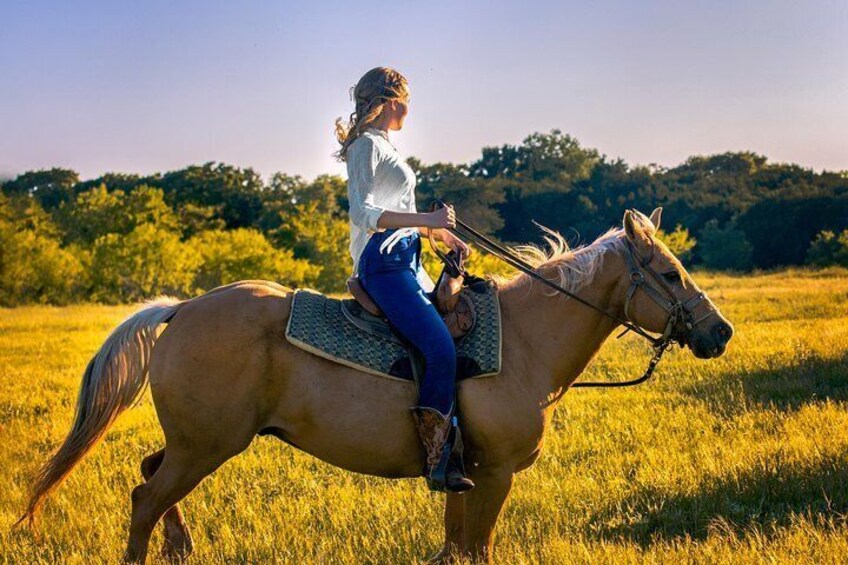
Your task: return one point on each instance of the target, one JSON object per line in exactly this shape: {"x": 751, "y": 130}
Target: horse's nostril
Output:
{"x": 723, "y": 332}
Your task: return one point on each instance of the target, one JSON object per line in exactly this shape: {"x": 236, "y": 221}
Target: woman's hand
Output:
{"x": 444, "y": 217}
{"x": 452, "y": 242}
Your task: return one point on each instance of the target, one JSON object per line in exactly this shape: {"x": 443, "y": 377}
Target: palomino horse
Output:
{"x": 222, "y": 372}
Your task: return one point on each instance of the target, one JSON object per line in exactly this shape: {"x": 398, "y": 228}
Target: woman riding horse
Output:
{"x": 221, "y": 371}
{"x": 386, "y": 250}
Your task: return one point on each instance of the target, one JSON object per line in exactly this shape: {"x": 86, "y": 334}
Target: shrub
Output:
{"x": 828, "y": 249}
{"x": 145, "y": 262}
{"x": 322, "y": 239}
{"x": 229, "y": 256}
{"x": 33, "y": 268}
{"x": 98, "y": 212}
{"x": 678, "y": 242}
{"x": 724, "y": 248}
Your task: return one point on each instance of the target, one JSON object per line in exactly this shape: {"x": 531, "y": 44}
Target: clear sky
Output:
{"x": 129, "y": 86}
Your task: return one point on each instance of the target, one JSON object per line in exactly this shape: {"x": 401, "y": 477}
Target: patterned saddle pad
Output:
{"x": 325, "y": 326}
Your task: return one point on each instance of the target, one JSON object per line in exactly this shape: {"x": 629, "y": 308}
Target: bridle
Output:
{"x": 681, "y": 319}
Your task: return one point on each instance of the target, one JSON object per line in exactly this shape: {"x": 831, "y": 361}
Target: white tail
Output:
{"x": 113, "y": 381}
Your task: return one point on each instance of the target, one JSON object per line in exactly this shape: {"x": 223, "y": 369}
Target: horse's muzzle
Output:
{"x": 710, "y": 342}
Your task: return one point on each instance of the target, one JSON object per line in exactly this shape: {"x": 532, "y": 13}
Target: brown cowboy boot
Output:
{"x": 434, "y": 429}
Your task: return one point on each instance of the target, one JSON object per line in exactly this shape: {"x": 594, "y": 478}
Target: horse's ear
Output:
{"x": 633, "y": 228}
{"x": 656, "y": 217}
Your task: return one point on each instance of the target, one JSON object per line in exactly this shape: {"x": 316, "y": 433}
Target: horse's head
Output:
{"x": 662, "y": 297}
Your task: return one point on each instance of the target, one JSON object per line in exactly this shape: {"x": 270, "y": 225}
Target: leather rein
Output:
{"x": 680, "y": 314}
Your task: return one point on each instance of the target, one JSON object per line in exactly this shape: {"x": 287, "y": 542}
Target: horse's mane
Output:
{"x": 576, "y": 267}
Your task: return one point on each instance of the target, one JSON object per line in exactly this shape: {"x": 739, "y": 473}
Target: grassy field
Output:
{"x": 743, "y": 459}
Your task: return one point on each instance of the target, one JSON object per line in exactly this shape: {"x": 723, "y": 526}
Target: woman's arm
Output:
{"x": 425, "y": 221}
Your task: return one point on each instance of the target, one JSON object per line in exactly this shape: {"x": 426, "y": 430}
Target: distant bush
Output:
{"x": 724, "y": 248}
{"x": 194, "y": 219}
{"x": 239, "y": 254}
{"x": 33, "y": 268}
{"x": 828, "y": 249}
{"x": 145, "y": 262}
{"x": 98, "y": 212}
{"x": 321, "y": 238}
{"x": 678, "y": 242}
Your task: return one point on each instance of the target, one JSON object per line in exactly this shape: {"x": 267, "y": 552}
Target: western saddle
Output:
{"x": 456, "y": 309}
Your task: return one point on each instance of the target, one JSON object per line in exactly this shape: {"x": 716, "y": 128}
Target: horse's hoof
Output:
{"x": 443, "y": 557}
{"x": 177, "y": 551}
{"x": 131, "y": 558}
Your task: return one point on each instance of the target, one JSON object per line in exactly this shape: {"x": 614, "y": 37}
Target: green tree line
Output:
{"x": 122, "y": 237}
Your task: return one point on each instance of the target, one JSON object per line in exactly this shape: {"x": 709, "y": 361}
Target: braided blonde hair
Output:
{"x": 374, "y": 89}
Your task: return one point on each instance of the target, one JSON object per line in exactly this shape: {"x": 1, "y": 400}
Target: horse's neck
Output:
{"x": 556, "y": 337}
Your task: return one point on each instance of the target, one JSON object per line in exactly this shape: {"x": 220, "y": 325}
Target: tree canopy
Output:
{"x": 124, "y": 236}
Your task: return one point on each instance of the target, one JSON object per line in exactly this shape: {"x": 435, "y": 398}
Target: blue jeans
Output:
{"x": 391, "y": 281}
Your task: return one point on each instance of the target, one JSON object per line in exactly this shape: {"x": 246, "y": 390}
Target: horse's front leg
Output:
{"x": 454, "y": 530}
{"x": 483, "y": 505}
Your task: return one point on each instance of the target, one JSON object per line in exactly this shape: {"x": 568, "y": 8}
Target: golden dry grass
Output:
{"x": 743, "y": 459}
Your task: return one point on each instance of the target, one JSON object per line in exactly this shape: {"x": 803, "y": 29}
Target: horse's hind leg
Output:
{"x": 178, "y": 544}
{"x": 177, "y": 475}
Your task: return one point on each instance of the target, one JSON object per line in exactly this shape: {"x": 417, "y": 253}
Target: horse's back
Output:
{"x": 246, "y": 306}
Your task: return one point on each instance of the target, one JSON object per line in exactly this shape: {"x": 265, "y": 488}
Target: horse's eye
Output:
{"x": 672, "y": 276}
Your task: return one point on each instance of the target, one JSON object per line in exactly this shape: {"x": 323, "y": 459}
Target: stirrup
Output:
{"x": 457, "y": 481}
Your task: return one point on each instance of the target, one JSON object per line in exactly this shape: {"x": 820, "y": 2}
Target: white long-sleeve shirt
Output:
{"x": 378, "y": 180}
